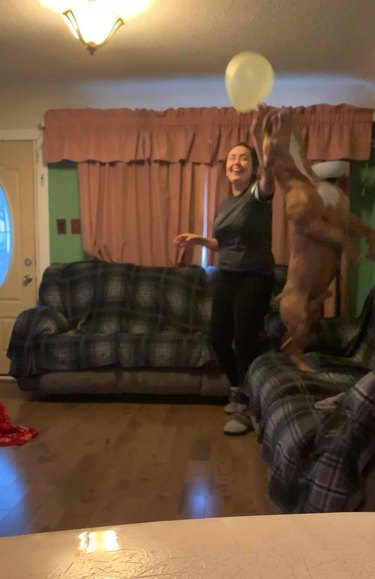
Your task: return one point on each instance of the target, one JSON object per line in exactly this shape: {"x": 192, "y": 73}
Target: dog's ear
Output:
{"x": 275, "y": 121}
{"x": 268, "y": 124}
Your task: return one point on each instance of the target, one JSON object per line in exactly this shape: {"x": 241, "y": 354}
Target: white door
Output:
{"x": 17, "y": 237}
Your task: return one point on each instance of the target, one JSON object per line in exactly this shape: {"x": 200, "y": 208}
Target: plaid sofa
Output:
{"x": 319, "y": 458}
{"x": 120, "y": 327}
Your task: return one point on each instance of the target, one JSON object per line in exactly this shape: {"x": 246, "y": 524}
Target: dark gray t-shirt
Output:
{"x": 243, "y": 229}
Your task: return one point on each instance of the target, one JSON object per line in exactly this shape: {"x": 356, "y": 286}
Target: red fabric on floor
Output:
{"x": 13, "y": 435}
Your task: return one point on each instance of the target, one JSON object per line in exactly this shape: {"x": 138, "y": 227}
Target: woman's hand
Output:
{"x": 184, "y": 239}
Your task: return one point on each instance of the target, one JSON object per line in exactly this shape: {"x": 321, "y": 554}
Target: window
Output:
{"x": 6, "y": 237}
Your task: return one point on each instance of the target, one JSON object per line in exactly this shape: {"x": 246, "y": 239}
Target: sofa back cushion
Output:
{"x": 100, "y": 297}
{"x": 172, "y": 299}
{"x": 362, "y": 347}
{"x": 92, "y": 295}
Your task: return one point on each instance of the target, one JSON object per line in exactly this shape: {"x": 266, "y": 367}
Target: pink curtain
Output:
{"x": 335, "y": 132}
{"x": 147, "y": 175}
{"x": 199, "y": 135}
{"x": 133, "y": 211}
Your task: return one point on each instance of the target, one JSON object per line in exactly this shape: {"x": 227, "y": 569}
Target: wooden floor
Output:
{"x": 99, "y": 463}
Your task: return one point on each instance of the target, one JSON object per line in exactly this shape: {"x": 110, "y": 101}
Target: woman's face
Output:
{"x": 239, "y": 166}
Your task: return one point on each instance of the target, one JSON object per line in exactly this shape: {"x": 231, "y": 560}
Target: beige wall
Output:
{"x": 23, "y": 106}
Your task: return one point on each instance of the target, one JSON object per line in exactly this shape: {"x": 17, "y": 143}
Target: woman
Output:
{"x": 242, "y": 236}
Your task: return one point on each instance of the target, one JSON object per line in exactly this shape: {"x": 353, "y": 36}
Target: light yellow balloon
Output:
{"x": 249, "y": 80}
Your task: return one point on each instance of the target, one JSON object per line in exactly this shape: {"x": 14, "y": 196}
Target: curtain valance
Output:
{"x": 198, "y": 135}
{"x": 335, "y": 131}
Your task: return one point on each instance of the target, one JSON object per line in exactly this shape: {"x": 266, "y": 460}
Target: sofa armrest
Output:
{"x": 274, "y": 327}
{"x": 332, "y": 336}
{"x": 29, "y": 326}
{"x": 329, "y": 335}
{"x": 39, "y": 320}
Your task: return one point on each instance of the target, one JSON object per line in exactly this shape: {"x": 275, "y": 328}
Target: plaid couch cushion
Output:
{"x": 169, "y": 349}
{"x": 92, "y": 314}
{"x": 92, "y": 295}
{"x": 168, "y": 298}
{"x": 344, "y": 451}
{"x": 73, "y": 351}
{"x": 307, "y": 456}
{"x": 318, "y": 462}
{"x": 272, "y": 377}
{"x": 362, "y": 347}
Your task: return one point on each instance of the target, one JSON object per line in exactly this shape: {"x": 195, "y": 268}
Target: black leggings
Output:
{"x": 239, "y": 306}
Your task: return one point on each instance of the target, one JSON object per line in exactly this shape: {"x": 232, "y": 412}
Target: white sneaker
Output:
{"x": 232, "y": 407}
{"x": 239, "y": 423}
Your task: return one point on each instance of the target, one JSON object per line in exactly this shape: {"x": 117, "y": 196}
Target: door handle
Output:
{"x": 27, "y": 278}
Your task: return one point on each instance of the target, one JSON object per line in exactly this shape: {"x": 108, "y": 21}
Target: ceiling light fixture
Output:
{"x": 93, "y": 22}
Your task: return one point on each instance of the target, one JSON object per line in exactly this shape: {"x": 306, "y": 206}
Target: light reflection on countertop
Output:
{"x": 316, "y": 546}
{"x": 96, "y": 541}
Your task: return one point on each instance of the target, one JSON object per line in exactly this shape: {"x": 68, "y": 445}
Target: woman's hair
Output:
{"x": 253, "y": 154}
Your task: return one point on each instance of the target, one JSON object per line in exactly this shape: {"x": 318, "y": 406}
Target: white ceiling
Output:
{"x": 192, "y": 37}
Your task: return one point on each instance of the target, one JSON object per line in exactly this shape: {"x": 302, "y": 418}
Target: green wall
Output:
{"x": 362, "y": 202}
{"x": 64, "y": 204}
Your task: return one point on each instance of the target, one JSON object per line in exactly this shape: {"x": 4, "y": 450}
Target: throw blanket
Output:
{"x": 13, "y": 435}
{"x": 94, "y": 314}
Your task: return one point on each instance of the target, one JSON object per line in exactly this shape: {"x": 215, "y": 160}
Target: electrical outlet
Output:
{"x": 75, "y": 225}
{"x": 61, "y": 226}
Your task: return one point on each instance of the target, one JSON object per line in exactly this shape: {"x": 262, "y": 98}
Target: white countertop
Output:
{"x": 322, "y": 546}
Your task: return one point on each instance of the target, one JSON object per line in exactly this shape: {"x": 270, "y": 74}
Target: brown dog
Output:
{"x": 321, "y": 224}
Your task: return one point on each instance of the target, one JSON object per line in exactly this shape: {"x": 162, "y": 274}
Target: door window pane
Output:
{"x": 6, "y": 237}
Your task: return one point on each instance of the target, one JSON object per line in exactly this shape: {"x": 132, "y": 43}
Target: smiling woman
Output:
{"x": 242, "y": 236}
